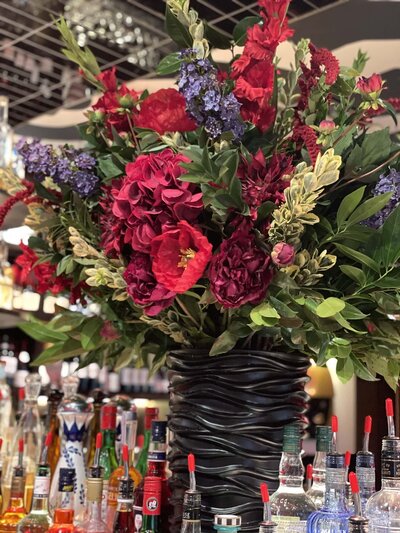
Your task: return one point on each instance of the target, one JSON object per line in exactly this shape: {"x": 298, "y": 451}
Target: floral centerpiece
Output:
{"x": 248, "y": 207}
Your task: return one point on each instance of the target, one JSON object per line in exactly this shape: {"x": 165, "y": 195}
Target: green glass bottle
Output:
{"x": 150, "y": 414}
{"x": 108, "y": 457}
{"x": 151, "y": 505}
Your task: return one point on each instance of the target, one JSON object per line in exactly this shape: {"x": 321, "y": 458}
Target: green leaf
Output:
{"x": 64, "y": 266}
{"x": 330, "y": 307}
{"x": 264, "y": 315}
{"x": 376, "y": 147}
{"x": 109, "y": 168}
{"x": 359, "y": 257}
{"x": 169, "y": 64}
{"x": 369, "y": 208}
{"x": 176, "y": 30}
{"x": 36, "y": 243}
{"x": 65, "y": 350}
{"x": 225, "y": 342}
{"x": 240, "y": 30}
{"x": 124, "y": 359}
{"x": 41, "y": 333}
{"x": 90, "y": 334}
{"x": 348, "y": 204}
{"x": 216, "y": 38}
{"x": 361, "y": 370}
{"x": 356, "y": 274}
{"x": 390, "y": 239}
{"x": 344, "y": 369}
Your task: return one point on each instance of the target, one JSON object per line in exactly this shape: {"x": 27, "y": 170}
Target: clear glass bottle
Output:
{"x": 290, "y": 506}
{"x": 128, "y": 432}
{"x": 15, "y": 510}
{"x": 365, "y": 466}
{"x": 6, "y": 135}
{"x": 191, "y": 519}
{"x": 316, "y": 493}
{"x": 6, "y": 411}
{"x": 75, "y": 415}
{"x": 93, "y": 522}
{"x": 334, "y": 515}
{"x": 383, "y": 508}
{"x": 38, "y": 520}
{"x": 227, "y": 523}
{"x": 29, "y": 428}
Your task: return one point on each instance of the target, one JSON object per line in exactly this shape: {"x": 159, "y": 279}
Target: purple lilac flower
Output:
{"x": 65, "y": 165}
{"x": 386, "y": 183}
{"x": 206, "y": 102}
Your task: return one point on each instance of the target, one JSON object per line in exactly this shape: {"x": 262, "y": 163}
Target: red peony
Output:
{"x": 152, "y": 199}
{"x": 283, "y": 254}
{"x": 144, "y": 288}
{"x": 180, "y": 257}
{"x": 241, "y": 272}
{"x": 41, "y": 276}
{"x": 262, "y": 182}
{"x": 165, "y": 111}
{"x": 108, "y": 79}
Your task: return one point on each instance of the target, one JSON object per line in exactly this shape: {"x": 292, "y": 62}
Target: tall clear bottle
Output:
{"x": 383, "y": 508}
{"x": 191, "y": 519}
{"x": 29, "y": 428}
{"x": 334, "y": 515}
{"x": 75, "y": 415}
{"x": 38, "y": 520}
{"x": 317, "y": 491}
{"x": 365, "y": 466}
{"x": 6, "y": 411}
{"x": 6, "y": 136}
{"x": 290, "y": 506}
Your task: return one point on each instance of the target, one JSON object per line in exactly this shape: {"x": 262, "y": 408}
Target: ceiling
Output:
{"x": 127, "y": 33}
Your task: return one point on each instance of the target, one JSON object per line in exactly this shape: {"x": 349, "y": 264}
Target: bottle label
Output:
{"x": 66, "y": 480}
{"x": 157, "y": 456}
{"x": 42, "y": 487}
{"x": 390, "y": 468}
{"x": 366, "y": 476}
{"x": 191, "y": 514}
{"x": 290, "y": 523}
{"x": 112, "y": 496}
{"x": 138, "y": 518}
{"x": 151, "y": 504}
{"x": 335, "y": 476}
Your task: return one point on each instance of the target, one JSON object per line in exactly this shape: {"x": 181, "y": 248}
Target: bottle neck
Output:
{"x": 319, "y": 469}
{"x": 291, "y": 471}
{"x": 157, "y": 459}
{"x": 335, "y": 491}
{"x": 125, "y": 506}
{"x": 109, "y": 439}
{"x": 93, "y": 510}
{"x": 40, "y": 505}
{"x": 391, "y": 483}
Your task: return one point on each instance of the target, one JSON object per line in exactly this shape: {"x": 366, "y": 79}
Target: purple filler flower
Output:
{"x": 386, "y": 183}
{"x": 206, "y": 101}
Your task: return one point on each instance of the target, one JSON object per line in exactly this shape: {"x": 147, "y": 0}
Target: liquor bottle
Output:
{"x": 191, "y": 520}
{"x": 151, "y": 505}
{"x": 157, "y": 458}
{"x": 53, "y": 425}
{"x": 267, "y": 525}
{"x": 317, "y": 491}
{"x": 383, "y": 508}
{"x": 29, "y": 428}
{"x": 123, "y": 403}
{"x": 6, "y": 417}
{"x": 349, "y": 496}
{"x": 6, "y": 134}
{"x": 75, "y": 415}
{"x": 227, "y": 523}
{"x": 150, "y": 414}
{"x": 334, "y": 515}
{"x": 20, "y": 404}
{"x": 94, "y": 425}
{"x": 290, "y": 506}
{"x": 93, "y": 522}
{"x": 108, "y": 458}
{"x": 64, "y": 505}
{"x": 357, "y": 523}
{"x": 124, "y": 520}
{"x": 128, "y": 432}
{"x": 15, "y": 510}
{"x": 38, "y": 520}
{"x": 365, "y": 466}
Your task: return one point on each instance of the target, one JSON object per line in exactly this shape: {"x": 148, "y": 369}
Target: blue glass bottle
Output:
{"x": 334, "y": 515}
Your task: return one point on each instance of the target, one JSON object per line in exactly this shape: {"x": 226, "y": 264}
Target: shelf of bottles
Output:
{"x": 86, "y": 469}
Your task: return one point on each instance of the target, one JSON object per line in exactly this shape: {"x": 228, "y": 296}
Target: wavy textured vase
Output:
{"x": 230, "y": 411}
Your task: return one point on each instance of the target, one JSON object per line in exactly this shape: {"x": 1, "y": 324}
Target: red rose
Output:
{"x": 371, "y": 85}
{"x": 165, "y": 111}
{"x": 144, "y": 288}
{"x": 283, "y": 254}
{"x": 241, "y": 272}
{"x": 180, "y": 257}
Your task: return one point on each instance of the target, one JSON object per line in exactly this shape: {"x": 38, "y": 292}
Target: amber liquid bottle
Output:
{"x": 53, "y": 426}
{"x": 94, "y": 425}
{"x": 15, "y": 511}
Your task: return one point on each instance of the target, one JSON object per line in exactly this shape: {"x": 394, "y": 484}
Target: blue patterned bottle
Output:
{"x": 334, "y": 515}
{"x": 75, "y": 415}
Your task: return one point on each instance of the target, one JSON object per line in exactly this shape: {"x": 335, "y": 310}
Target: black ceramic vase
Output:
{"x": 230, "y": 410}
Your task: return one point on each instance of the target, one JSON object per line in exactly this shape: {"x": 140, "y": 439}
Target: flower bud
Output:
{"x": 327, "y": 126}
{"x": 283, "y": 254}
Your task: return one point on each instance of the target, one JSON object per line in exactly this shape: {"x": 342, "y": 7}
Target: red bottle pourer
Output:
{"x": 192, "y": 469}
{"x": 21, "y": 453}
{"x": 355, "y": 489}
{"x": 309, "y": 474}
{"x": 347, "y": 459}
{"x": 45, "y": 449}
{"x": 267, "y": 506}
{"x": 390, "y": 417}
{"x": 1, "y": 443}
{"x": 367, "y": 432}
{"x": 335, "y": 428}
{"x": 99, "y": 444}
{"x": 125, "y": 460}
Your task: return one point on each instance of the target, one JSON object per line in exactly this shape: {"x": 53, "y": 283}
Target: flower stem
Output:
{"x": 186, "y": 311}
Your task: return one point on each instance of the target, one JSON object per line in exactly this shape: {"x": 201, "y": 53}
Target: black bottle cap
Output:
{"x": 159, "y": 431}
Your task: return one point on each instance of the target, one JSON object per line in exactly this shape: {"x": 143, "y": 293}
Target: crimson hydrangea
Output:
{"x": 241, "y": 272}
{"x": 143, "y": 287}
{"x": 152, "y": 199}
